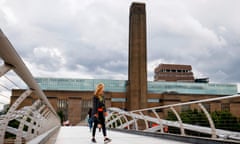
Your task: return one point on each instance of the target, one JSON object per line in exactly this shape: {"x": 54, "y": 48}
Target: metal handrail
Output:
{"x": 40, "y": 117}
{"x": 137, "y": 115}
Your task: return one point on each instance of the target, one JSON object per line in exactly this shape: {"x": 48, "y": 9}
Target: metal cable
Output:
{"x": 11, "y": 81}
{"x": 4, "y": 96}
{"x": 5, "y": 87}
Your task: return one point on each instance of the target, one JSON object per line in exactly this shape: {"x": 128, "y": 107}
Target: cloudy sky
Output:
{"x": 89, "y": 38}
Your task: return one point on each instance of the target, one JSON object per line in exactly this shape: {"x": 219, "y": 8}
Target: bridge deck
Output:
{"x": 81, "y": 134}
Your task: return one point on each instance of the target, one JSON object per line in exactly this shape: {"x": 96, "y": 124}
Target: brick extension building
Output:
{"x": 173, "y": 72}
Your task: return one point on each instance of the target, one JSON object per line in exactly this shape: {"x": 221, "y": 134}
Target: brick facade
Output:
{"x": 137, "y": 67}
{"x": 173, "y": 72}
{"x": 79, "y": 102}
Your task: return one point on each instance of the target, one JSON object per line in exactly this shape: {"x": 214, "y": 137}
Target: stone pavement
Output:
{"x": 82, "y": 135}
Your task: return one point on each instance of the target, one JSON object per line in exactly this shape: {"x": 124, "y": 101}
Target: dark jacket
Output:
{"x": 97, "y": 103}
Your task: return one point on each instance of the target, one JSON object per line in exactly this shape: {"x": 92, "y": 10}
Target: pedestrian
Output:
{"x": 99, "y": 112}
{"x": 90, "y": 121}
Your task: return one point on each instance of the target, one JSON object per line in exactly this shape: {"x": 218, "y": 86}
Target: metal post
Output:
{"x": 209, "y": 120}
{"x": 179, "y": 120}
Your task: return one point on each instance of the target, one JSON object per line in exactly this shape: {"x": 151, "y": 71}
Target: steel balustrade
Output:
{"x": 33, "y": 120}
{"x": 129, "y": 119}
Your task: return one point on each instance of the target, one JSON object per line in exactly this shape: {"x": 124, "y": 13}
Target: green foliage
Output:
{"x": 222, "y": 119}
{"x": 14, "y": 124}
{"x": 194, "y": 117}
{"x": 225, "y": 120}
{"x": 171, "y": 116}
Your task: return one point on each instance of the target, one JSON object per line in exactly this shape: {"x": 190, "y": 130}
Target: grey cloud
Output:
{"x": 92, "y": 36}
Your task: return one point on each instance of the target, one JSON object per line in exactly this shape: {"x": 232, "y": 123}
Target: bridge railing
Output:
{"x": 23, "y": 124}
{"x": 188, "y": 118}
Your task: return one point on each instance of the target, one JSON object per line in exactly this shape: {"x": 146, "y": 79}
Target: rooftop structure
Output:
{"x": 173, "y": 72}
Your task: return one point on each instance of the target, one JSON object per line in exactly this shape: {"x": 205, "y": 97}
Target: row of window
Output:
{"x": 171, "y": 75}
{"x": 81, "y": 84}
{"x": 174, "y": 70}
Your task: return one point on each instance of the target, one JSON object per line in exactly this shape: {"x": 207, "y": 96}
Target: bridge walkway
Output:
{"x": 81, "y": 134}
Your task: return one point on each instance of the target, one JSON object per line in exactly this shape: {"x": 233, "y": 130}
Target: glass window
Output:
{"x": 153, "y": 100}
{"x": 118, "y": 100}
{"x": 225, "y": 107}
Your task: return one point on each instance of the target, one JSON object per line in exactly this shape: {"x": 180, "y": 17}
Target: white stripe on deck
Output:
{"x": 82, "y": 135}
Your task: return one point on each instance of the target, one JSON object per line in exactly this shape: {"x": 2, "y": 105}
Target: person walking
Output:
{"x": 99, "y": 113}
{"x": 90, "y": 121}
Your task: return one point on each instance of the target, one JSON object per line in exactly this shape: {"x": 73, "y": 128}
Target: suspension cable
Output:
{"x": 5, "y": 87}
{"x": 11, "y": 81}
{"x": 4, "y": 96}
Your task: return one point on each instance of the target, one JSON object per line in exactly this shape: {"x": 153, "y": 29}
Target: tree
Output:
{"x": 222, "y": 119}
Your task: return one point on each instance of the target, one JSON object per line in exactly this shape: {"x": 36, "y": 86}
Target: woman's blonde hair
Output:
{"x": 99, "y": 89}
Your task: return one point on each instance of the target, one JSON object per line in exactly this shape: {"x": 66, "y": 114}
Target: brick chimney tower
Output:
{"x": 137, "y": 67}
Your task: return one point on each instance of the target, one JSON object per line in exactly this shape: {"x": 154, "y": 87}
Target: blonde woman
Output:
{"x": 99, "y": 112}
